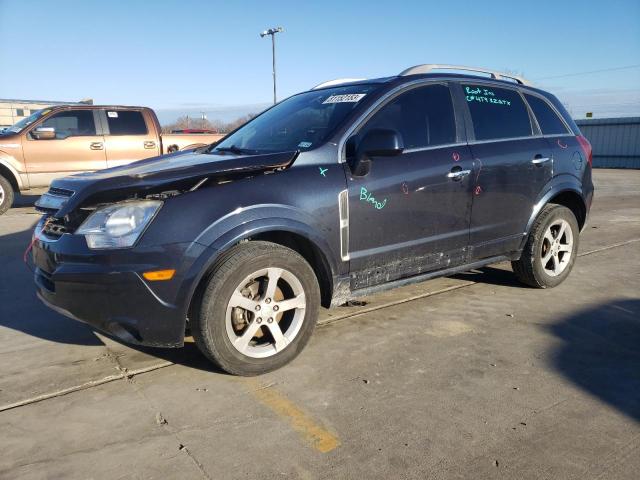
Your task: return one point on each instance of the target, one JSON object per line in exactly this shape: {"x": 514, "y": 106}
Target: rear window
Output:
{"x": 497, "y": 112}
{"x": 549, "y": 122}
{"x": 126, "y": 122}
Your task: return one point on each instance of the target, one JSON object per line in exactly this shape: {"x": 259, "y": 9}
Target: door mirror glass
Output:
{"x": 44, "y": 133}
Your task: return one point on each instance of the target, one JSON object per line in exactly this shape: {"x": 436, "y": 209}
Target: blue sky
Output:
{"x": 187, "y": 55}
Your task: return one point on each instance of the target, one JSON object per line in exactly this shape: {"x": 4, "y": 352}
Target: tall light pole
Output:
{"x": 272, "y": 32}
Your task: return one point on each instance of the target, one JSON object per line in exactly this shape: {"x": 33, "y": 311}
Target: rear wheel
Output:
{"x": 551, "y": 249}
{"x": 6, "y": 195}
{"x": 258, "y": 310}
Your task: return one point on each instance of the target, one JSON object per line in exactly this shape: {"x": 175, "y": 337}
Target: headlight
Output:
{"x": 119, "y": 225}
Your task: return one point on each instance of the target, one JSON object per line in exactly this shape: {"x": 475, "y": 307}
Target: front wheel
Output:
{"x": 6, "y": 195}
{"x": 551, "y": 248}
{"x": 258, "y": 310}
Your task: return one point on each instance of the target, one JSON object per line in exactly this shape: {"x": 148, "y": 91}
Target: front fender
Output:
{"x": 557, "y": 185}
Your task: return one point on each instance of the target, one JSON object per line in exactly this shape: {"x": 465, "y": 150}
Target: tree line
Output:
{"x": 219, "y": 126}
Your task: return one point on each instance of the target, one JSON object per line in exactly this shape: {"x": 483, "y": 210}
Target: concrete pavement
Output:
{"x": 472, "y": 376}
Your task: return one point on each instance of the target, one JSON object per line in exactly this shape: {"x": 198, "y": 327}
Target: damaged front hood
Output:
{"x": 184, "y": 168}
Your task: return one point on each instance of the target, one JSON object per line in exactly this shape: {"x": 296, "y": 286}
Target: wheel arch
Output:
{"x": 11, "y": 175}
{"x": 567, "y": 194}
{"x": 283, "y": 232}
{"x": 310, "y": 251}
{"x": 574, "y": 202}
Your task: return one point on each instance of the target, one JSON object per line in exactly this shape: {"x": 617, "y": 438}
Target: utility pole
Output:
{"x": 272, "y": 32}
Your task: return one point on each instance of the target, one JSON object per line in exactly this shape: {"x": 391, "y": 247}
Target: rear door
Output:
{"x": 77, "y": 147}
{"x": 408, "y": 214}
{"x": 513, "y": 164}
{"x": 567, "y": 157}
{"x": 128, "y": 137}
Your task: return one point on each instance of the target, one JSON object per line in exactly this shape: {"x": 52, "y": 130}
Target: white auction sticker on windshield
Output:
{"x": 112, "y": 114}
{"x": 348, "y": 98}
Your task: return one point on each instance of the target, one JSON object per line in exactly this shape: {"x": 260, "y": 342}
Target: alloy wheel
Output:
{"x": 557, "y": 248}
{"x": 265, "y": 312}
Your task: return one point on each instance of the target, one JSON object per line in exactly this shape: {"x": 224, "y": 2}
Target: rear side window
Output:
{"x": 549, "y": 122}
{"x": 497, "y": 112}
{"x": 126, "y": 122}
{"x": 423, "y": 116}
{"x": 72, "y": 123}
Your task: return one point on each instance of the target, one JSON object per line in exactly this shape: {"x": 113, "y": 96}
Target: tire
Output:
{"x": 6, "y": 195}
{"x": 546, "y": 259}
{"x": 224, "y": 332}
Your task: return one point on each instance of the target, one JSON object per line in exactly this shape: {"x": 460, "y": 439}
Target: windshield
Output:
{"x": 25, "y": 122}
{"x": 301, "y": 122}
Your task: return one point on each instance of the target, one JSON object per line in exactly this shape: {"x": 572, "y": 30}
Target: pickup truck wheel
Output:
{"x": 258, "y": 310}
{"x": 551, "y": 248}
{"x": 6, "y": 195}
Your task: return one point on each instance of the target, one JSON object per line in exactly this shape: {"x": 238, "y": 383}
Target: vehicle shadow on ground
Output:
{"x": 21, "y": 310}
{"x": 22, "y": 200}
{"x": 601, "y": 353}
{"x": 503, "y": 277}
{"x": 187, "y": 356}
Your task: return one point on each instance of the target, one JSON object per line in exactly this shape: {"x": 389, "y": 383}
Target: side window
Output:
{"x": 548, "y": 120}
{"x": 423, "y": 116}
{"x": 497, "y": 112}
{"x": 72, "y": 123}
{"x": 126, "y": 122}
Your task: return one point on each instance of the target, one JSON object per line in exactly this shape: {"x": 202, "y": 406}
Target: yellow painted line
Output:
{"x": 319, "y": 438}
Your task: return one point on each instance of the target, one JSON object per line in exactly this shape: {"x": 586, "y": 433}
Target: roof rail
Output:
{"x": 337, "y": 81}
{"x": 430, "y": 67}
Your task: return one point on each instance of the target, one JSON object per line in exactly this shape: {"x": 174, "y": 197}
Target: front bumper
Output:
{"x": 106, "y": 290}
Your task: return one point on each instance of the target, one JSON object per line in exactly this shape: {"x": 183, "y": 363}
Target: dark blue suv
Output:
{"x": 347, "y": 189}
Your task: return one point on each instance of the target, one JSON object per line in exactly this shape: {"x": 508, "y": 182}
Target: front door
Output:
{"x": 514, "y": 164}
{"x": 410, "y": 213}
{"x": 76, "y": 148}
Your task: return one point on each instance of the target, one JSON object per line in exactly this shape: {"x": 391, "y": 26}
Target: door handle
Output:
{"x": 96, "y": 146}
{"x": 539, "y": 159}
{"x": 457, "y": 173}
{"x": 149, "y": 144}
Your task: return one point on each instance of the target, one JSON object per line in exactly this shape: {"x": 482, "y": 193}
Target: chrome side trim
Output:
{"x": 434, "y": 147}
{"x": 343, "y": 211}
{"x": 527, "y": 137}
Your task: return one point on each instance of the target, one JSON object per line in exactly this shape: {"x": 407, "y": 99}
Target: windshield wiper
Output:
{"x": 233, "y": 149}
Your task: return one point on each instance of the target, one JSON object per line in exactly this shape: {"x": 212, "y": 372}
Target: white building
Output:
{"x": 12, "y": 110}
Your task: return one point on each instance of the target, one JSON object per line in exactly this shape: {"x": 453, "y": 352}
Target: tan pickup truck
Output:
{"x": 61, "y": 140}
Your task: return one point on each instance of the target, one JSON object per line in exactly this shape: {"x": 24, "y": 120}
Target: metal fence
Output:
{"x": 615, "y": 141}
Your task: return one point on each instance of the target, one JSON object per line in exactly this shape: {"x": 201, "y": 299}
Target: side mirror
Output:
{"x": 43, "y": 133}
{"x": 378, "y": 142}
